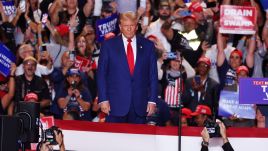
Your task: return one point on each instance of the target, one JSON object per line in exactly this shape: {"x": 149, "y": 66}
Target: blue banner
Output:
{"x": 6, "y": 58}
{"x": 253, "y": 91}
{"x": 229, "y": 105}
{"x": 105, "y": 26}
{"x": 264, "y": 4}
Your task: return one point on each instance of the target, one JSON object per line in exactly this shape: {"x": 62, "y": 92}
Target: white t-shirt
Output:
{"x": 56, "y": 51}
{"x": 40, "y": 70}
{"x": 212, "y": 53}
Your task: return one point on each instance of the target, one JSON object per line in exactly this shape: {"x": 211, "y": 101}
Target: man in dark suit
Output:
{"x": 127, "y": 75}
{"x": 201, "y": 89}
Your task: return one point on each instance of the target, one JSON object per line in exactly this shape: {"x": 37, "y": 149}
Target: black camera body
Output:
{"x": 213, "y": 129}
{"x": 74, "y": 85}
{"x": 50, "y": 135}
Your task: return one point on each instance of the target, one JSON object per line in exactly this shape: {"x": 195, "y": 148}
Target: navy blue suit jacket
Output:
{"x": 116, "y": 84}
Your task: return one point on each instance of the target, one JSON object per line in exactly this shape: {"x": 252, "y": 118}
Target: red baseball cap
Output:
{"x": 186, "y": 112}
{"x": 62, "y": 29}
{"x": 205, "y": 60}
{"x": 196, "y": 7}
{"x": 31, "y": 96}
{"x": 192, "y": 16}
{"x": 202, "y": 109}
{"x": 236, "y": 51}
{"x": 242, "y": 68}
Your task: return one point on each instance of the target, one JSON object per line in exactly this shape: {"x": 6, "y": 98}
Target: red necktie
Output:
{"x": 130, "y": 56}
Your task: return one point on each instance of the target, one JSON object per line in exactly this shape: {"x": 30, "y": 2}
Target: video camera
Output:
{"x": 213, "y": 128}
{"x": 50, "y": 135}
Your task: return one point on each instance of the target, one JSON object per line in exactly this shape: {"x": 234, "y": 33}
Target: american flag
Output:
{"x": 172, "y": 94}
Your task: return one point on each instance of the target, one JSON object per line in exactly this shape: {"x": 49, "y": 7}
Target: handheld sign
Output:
{"x": 105, "y": 26}
{"x": 6, "y": 58}
{"x": 229, "y": 106}
{"x": 81, "y": 62}
{"x": 237, "y": 19}
{"x": 253, "y": 91}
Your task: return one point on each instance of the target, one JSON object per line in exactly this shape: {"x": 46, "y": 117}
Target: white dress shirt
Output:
{"x": 133, "y": 45}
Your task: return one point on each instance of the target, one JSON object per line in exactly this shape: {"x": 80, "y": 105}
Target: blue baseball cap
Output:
{"x": 73, "y": 71}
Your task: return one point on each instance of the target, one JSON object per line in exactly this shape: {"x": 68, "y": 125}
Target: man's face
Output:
{"x": 128, "y": 28}
{"x": 203, "y": 68}
{"x": 65, "y": 60}
{"x": 29, "y": 67}
{"x": 200, "y": 120}
{"x": 164, "y": 12}
{"x": 235, "y": 61}
{"x": 73, "y": 78}
{"x": 189, "y": 24}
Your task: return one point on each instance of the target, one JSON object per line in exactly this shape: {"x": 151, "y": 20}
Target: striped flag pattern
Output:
{"x": 172, "y": 94}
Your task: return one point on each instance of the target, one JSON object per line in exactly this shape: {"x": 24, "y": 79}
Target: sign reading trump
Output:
{"x": 6, "y": 58}
{"x": 253, "y": 91}
{"x": 105, "y": 26}
{"x": 237, "y": 19}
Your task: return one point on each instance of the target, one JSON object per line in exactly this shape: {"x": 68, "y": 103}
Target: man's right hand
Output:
{"x": 105, "y": 107}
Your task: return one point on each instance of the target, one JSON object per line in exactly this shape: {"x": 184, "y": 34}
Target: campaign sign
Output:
{"x": 105, "y": 26}
{"x": 47, "y": 122}
{"x": 264, "y": 4}
{"x": 229, "y": 105}
{"x": 9, "y": 7}
{"x": 253, "y": 91}
{"x": 6, "y": 58}
{"x": 81, "y": 62}
{"x": 237, "y": 19}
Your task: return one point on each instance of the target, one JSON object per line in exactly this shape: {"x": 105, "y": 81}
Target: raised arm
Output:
{"x": 54, "y": 11}
{"x": 87, "y": 9}
{"x": 6, "y": 100}
{"x": 250, "y": 51}
{"x": 265, "y": 31}
{"x": 221, "y": 55}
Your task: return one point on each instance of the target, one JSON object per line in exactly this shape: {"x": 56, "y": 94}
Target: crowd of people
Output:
{"x": 167, "y": 54}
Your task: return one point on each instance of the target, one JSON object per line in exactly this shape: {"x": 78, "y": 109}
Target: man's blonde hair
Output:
{"x": 128, "y": 16}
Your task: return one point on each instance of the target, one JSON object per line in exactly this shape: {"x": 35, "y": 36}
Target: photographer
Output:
{"x": 74, "y": 97}
{"x": 46, "y": 146}
{"x": 205, "y": 136}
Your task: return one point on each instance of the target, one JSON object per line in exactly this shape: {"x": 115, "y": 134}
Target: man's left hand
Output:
{"x": 151, "y": 107}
